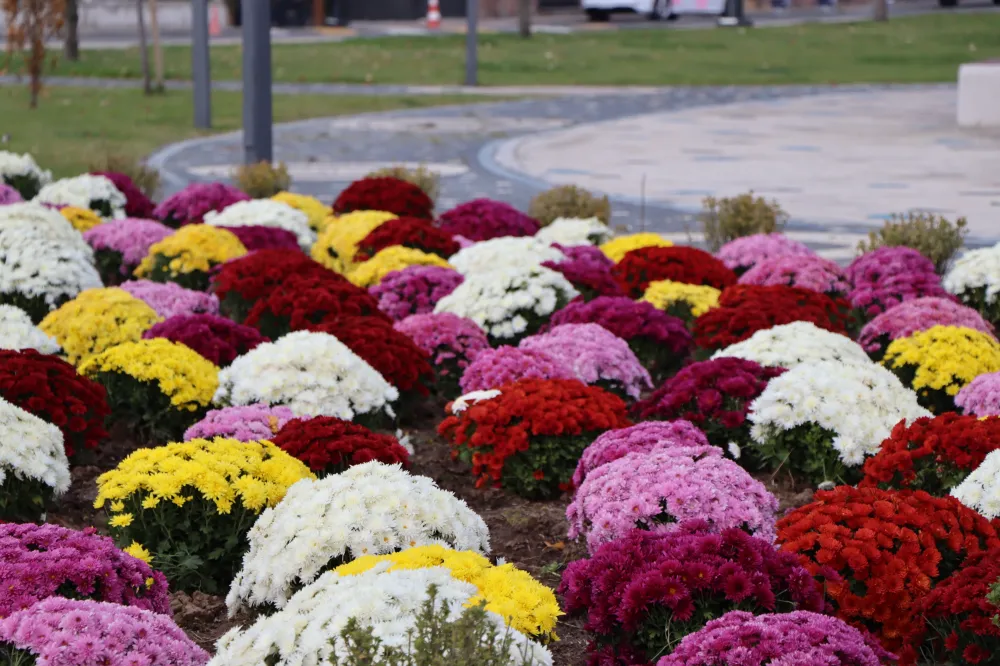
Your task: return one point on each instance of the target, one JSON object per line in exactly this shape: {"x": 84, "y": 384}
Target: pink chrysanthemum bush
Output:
{"x": 120, "y": 246}
{"x": 250, "y": 423}
{"x": 659, "y": 489}
{"x": 913, "y": 316}
{"x": 645, "y": 591}
{"x": 87, "y": 633}
{"x": 889, "y": 276}
{"x": 42, "y": 561}
{"x": 495, "y": 367}
{"x": 170, "y": 299}
{"x": 451, "y": 342}
{"x": 595, "y": 355}
{"x": 414, "y": 290}
{"x": 742, "y": 254}
{"x": 981, "y": 396}
{"x": 806, "y": 271}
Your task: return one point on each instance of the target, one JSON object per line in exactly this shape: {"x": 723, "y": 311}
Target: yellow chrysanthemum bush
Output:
{"x": 187, "y": 256}
{"x": 393, "y": 258}
{"x": 338, "y": 242}
{"x": 686, "y": 301}
{"x": 96, "y": 320}
{"x": 156, "y": 387}
{"x": 526, "y": 605}
{"x": 317, "y": 211}
{"x": 82, "y": 219}
{"x": 939, "y": 362}
{"x": 616, "y": 248}
{"x": 188, "y": 506}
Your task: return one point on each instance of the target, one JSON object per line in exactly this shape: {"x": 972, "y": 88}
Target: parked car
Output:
{"x": 656, "y": 10}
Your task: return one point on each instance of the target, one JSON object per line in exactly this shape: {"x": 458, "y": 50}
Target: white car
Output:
{"x": 656, "y": 10}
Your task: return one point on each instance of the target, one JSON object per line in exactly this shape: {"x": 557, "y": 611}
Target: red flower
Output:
{"x": 137, "y": 204}
{"x": 216, "y": 338}
{"x": 409, "y": 232}
{"x": 388, "y": 194}
{"x": 680, "y": 264}
{"x": 539, "y": 475}
{"x": 330, "y": 445}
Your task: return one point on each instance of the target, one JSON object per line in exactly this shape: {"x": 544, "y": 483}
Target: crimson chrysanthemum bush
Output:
{"x": 412, "y": 232}
{"x": 393, "y": 354}
{"x": 388, "y": 194}
{"x": 529, "y": 438}
{"x": 587, "y": 269}
{"x": 242, "y": 282}
{"x": 256, "y": 237}
{"x": 483, "y": 219}
{"x": 678, "y": 263}
{"x": 959, "y": 617}
{"x": 137, "y": 204}
{"x": 644, "y": 592}
{"x": 216, "y": 338}
{"x": 880, "y": 552}
{"x": 745, "y": 309}
{"x": 932, "y": 454}
{"x": 51, "y": 389}
{"x": 329, "y": 445}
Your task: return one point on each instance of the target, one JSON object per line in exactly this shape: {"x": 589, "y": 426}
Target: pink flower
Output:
{"x": 414, "y": 290}
{"x": 131, "y": 238}
{"x": 495, "y": 367}
{"x": 919, "y": 314}
{"x": 170, "y": 299}
{"x": 806, "y": 271}
{"x": 744, "y": 253}
{"x": 248, "y": 424}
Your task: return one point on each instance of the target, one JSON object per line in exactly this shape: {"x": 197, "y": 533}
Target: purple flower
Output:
{"x": 919, "y": 314}
{"x": 265, "y": 238}
{"x": 892, "y": 289}
{"x": 981, "y": 396}
{"x": 448, "y": 339}
{"x": 130, "y": 237}
{"x": 8, "y": 195}
{"x": 483, "y": 219}
{"x": 414, "y": 290}
{"x": 744, "y": 253}
{"x": 190, "y": 205}
{"x": 806, "y": 271}
{"x": 495, "y": 367}
{"x": 585, "y": 254}
{"x": 251, "y": 423}
{"x": 170, "y": 299}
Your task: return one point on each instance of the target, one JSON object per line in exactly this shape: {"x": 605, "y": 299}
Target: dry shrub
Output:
{"x": 262, "y": 180}
{"x": 569, "y": 201}
{"x": 728, "y": 218}
{"x": 933, "y": 236}
{"x": 422, "y": 177}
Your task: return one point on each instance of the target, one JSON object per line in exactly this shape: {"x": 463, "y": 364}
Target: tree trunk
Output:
{"x": 881, "y": 10}
{"x": 154, "y": 29}
{"x": 143, "y": 49}
{"x": 72, "y": 46}
{"x": 524, "y": 17}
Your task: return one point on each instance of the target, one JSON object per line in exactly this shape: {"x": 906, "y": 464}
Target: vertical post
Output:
{"x": 257, "y": 145}
{"x": 154, "y": 30}
{"x": 200, "y": 68}
{"x": 319, "y": 13}
{"x": 472, "y": 42}
{"x": 735, "y": 15}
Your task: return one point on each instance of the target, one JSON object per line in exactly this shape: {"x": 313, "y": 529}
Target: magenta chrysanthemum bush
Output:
{"x": 137, "y": 204}
{"x": 805, "y": 271}
{"x": 800, "y": 638}
{"x": 640, "y": 438}
{"x": 981, "y": 396}
{"x": 595, "y": 355}
{"x": 42, "y": 561}
{"x": 265, "y": 238}
{"x": 919, "y": 314}
{"x": 451, "y": 342}
{"x": 216, "y": 338}
{"x": 251, "y": 423}
{"x": 84, "y": 633}
{"x": 120, "y": 245}
{"x": 495, "y": 367}
{"x": 643, "y": 592}
{"x": 883, "y": 262}
{"x": 169, "y": 299}
{"x": 8, "y": 195}
{"x": 744, "y": 253}
{"x": 585, "y": 254}
{"x": 892, "y": 290}
{"x": 190, "y": 205}
{"x": 414, "y": 290}
{"x": 483, "y": 219}
{"x": 588, "y": 269}
{"x": 659, "y": 489}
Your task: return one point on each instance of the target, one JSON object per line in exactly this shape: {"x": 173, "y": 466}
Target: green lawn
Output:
{"x": 916, "y": 49}
{"x": 73, "y": 127}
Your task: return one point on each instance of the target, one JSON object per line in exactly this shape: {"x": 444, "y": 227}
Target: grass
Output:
{"x": 914, "y": 49}
{"x": 72, "y": 127}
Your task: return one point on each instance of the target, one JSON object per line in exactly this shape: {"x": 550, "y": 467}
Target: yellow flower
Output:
{"x": 96, "y": 320}
{"x": 338, "y": 242}
{"x": 616, "y": 248}
{"x": 82, "y": 219}
{"x": 523, "y": 602}
{"x": 117, "y": 506}
{"x": 138, "y": 551}
{"x": 121, "y": 520}
{"x": 944, "y": 357}
{"x": 663, "y": 294}
{"x": 186, "y": 377}
{"x": 196, "y": 247}
{"x": 387, "y": 260}
{"x": 316, "y": 210}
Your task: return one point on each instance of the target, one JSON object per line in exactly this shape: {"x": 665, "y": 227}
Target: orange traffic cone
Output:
{"x": 433, "y": 14}
{"x": 214, "y": 23}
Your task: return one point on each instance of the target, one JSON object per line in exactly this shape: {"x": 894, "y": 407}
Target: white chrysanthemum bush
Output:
{"x": 790, "y": 345}
{"x": 980, "y": 490}
{"x": 369, "y": 509}
{"x": 819, "y": 421}
{"x": 572, "y": 231}
{"x": 97, "y": 193}
{"x": 975, "y": 279}
{"x": 265, "y": 213}
{"x": 33, "y": 464}
{"x": 22, "y": 173}
{"x": 17, "y": 332}
{"x": 313, "y": 374}
{"x": 506, "y": 252}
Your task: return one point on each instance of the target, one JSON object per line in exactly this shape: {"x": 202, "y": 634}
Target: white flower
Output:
{"x": 265, "y": 213}
{"x": 44, "y": 224}
{"x": 858, "y": 404}
{"x": 462, "y": 403}
{"x": 405, "y": 441}
{"x": 14, "y": 166}
{"x": 571, "y": 231}
{"x": 313, "y": 374}
{"x": 974, "y": 270}
{"x": 31, "y": 448}
{"x": 504, "y": 253}
{"x": 369, "y": 509}
{"x": 981, "y": 490}
{"x": 789, "y": 345}
{"x": 86, "y": 191}
{"x": 734, "y": 450}
{"x": 17, "y": 332}
{"x": 307, "y": 631}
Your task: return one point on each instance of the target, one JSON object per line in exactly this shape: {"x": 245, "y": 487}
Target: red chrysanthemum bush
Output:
{"x": 412, "y": 232}
{"x": 529, "y": 438}
{"x": 677, "y": 263}
{"x": 745, "y": 309}
{"x": 240, "y": 283}
{"x": 393, "y": 354}
{"x": 388, "y": 194}
{"x": 960, "y": 624}
{"x": 932, "y": 454}
{"x": 51, "y": 389}
{"x": 216, "y": 338}
{"x": 329, "y": 445}
{"x": 880, "y": 552}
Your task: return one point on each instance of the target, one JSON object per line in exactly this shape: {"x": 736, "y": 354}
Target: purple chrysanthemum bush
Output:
{"x": 120, "y": 246}
{"x": 169, "y": 299}
{"x": 250, "y": 423}
{"x": 805, "y": 271}
{"x": 495, "y": 367}
{"x": 742, "y": 254}
{"x": 414, "y": 290}
{"x": 889, "y": 276}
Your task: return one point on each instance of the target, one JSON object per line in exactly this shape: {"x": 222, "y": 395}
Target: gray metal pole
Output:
{"x": 200, "y": 69}
{"x": 471, "y": 43}
{"x": 257, "y": 119}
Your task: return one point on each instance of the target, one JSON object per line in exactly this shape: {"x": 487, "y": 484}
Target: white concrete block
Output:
{"x": 979, "y": 94}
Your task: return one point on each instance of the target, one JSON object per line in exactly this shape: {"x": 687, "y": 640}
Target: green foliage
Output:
{"x": 145, "y": 410}
{"x": 657, "y": 358}
{"x": 987, "y": 306}
{"x": 27, "y": 185}
{"x": 937, "y": 401}
{"x": 422, "y": 177}
{"x": 12, "y": 656}
{"x": 545, "y": 469}
{"x": 262, "y": 180}
{"x": 470, "y": 640}
{"x": 994, "y": 599}
{"x": 162, "y": 272}
{"x": 729, "y": 218}
{"x": 109, "y": 267}
{"x": 35, "y": 306}
{"x": 23, "y": 500}
{"x": 806, "y": 453}
{"x": 569, "y": 201}
{"x": 931, "y": 235}
{"x": 145, "y": 178}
